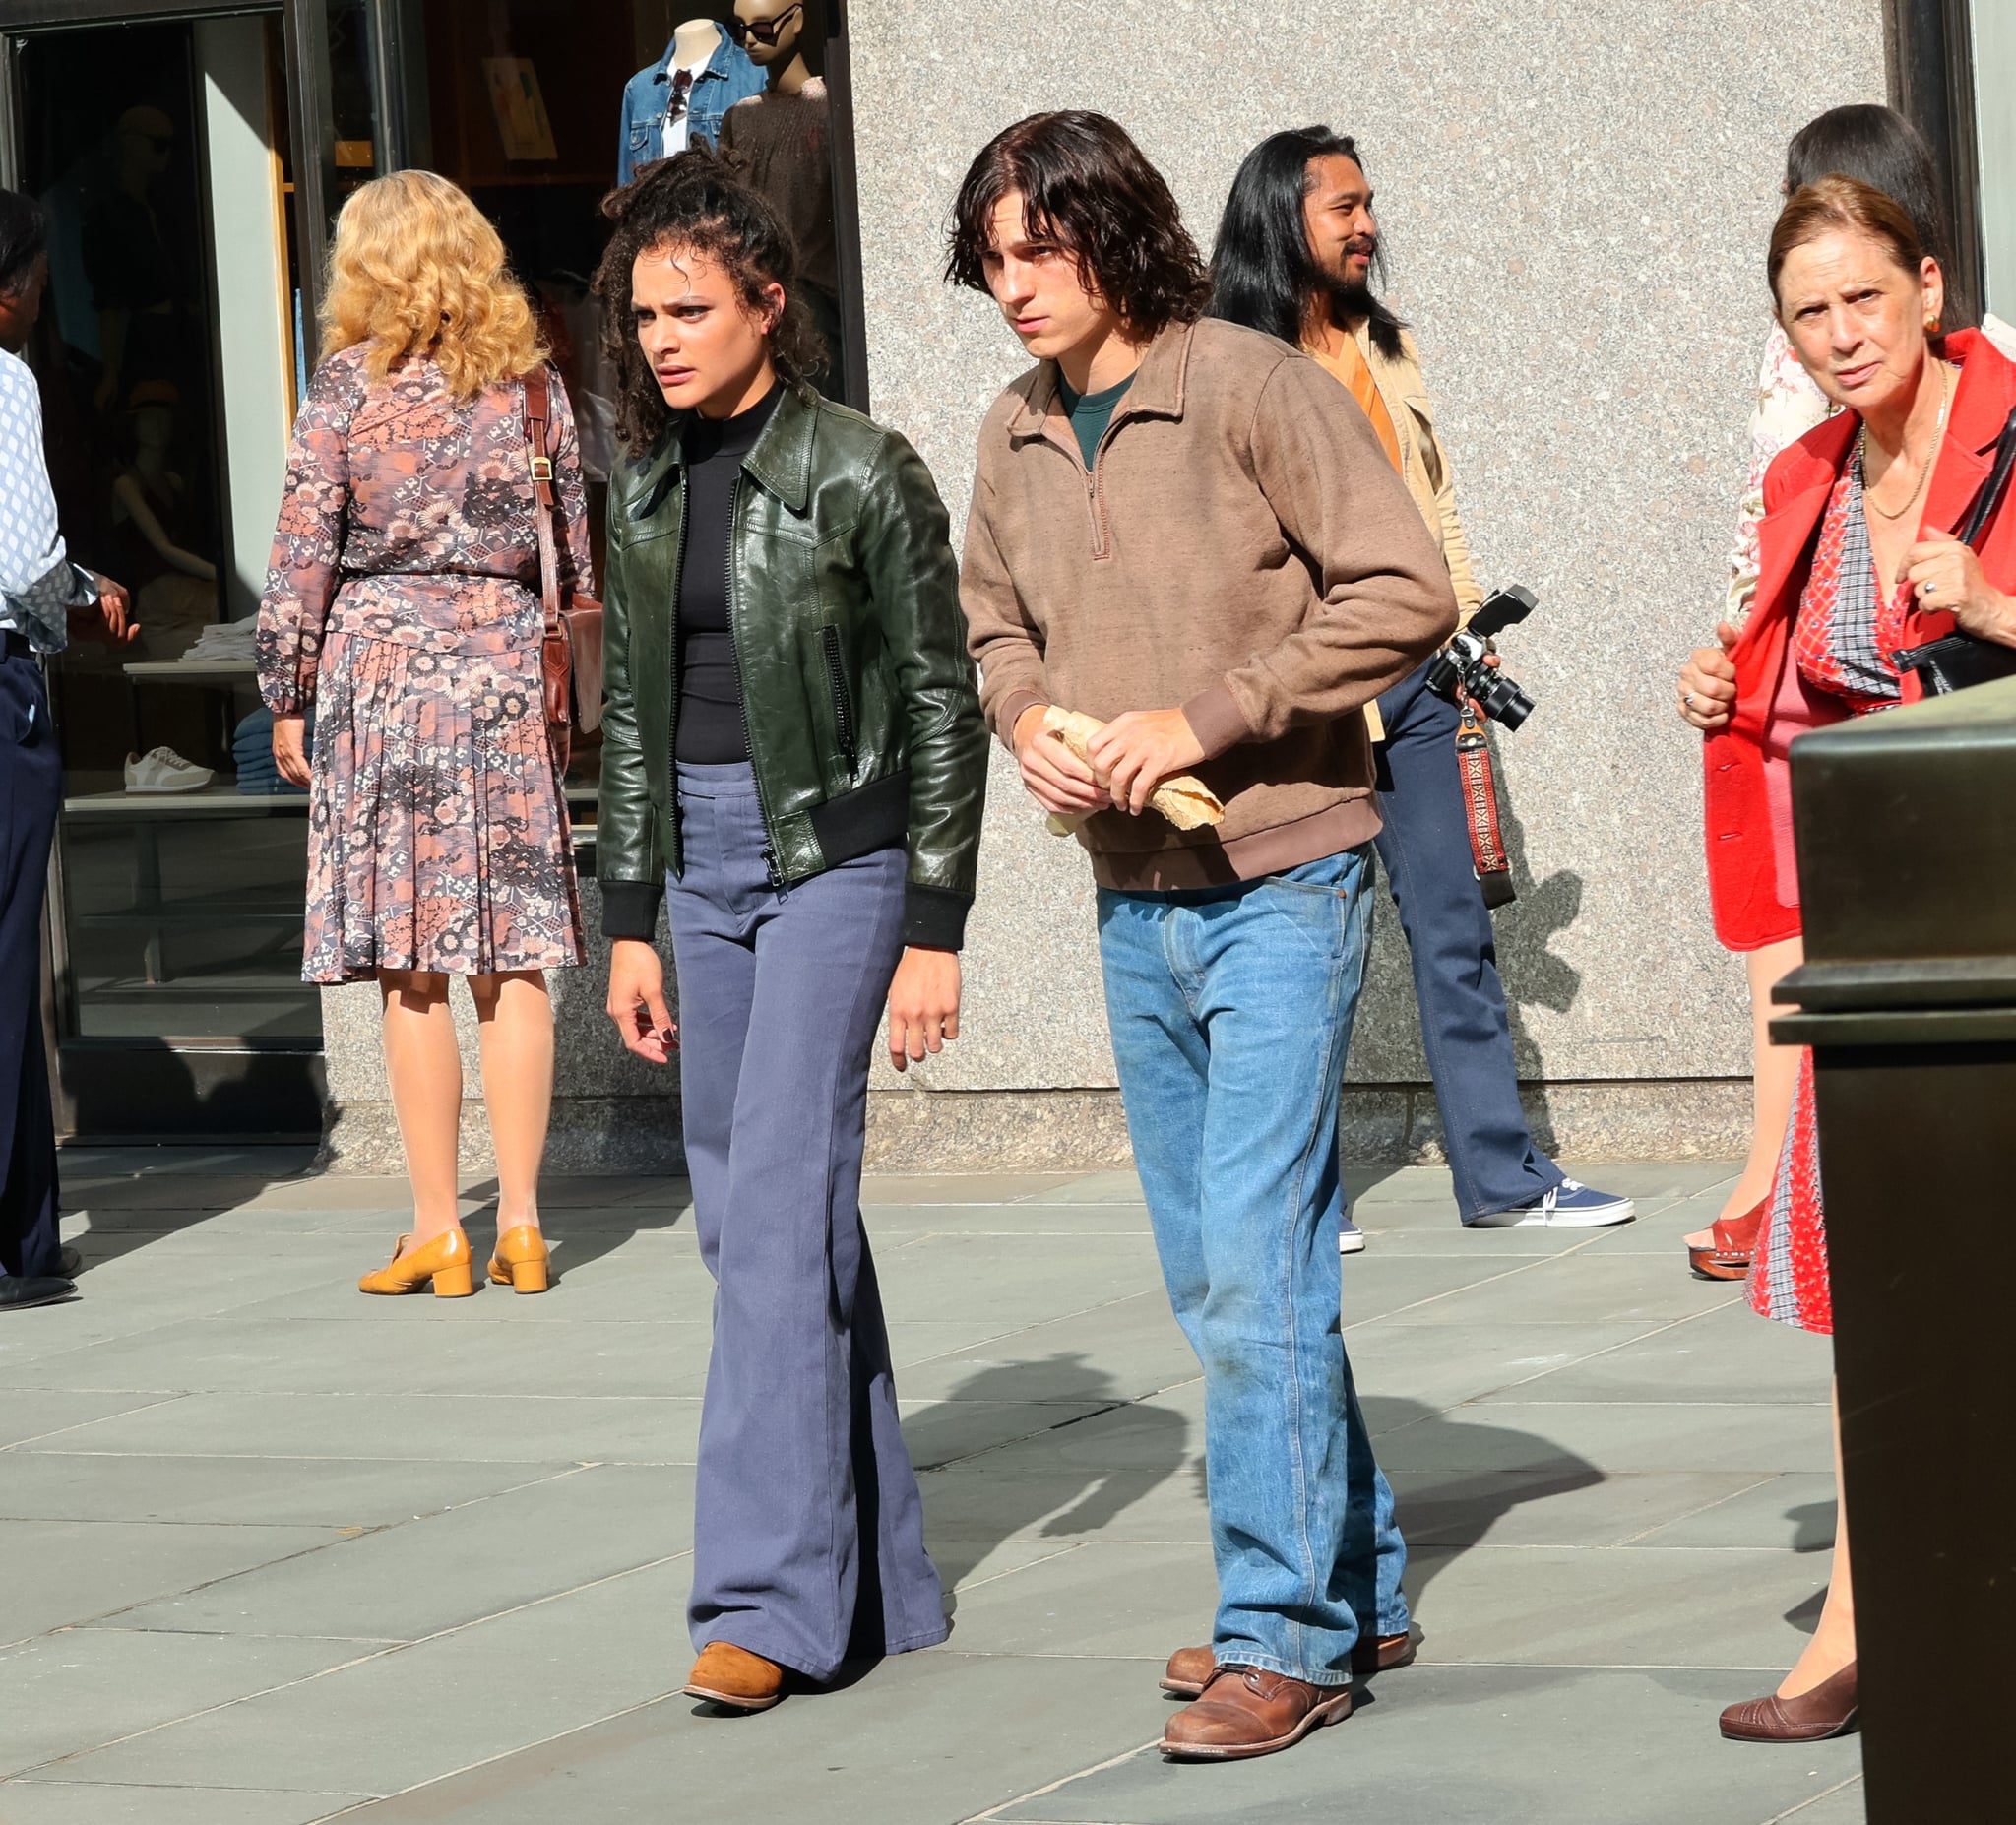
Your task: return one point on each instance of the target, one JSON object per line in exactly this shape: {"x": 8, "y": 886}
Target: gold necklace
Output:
{"x": 1924, "y": 473}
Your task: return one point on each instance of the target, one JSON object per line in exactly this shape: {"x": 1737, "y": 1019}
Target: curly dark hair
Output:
{"x": 1088, "y": 187}
{"x": 694, "y": 201}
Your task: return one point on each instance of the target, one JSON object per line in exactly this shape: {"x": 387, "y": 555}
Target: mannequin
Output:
{"x": 177, "y": 588}
{"x": 779, "y": 143}
{"x": 679, "y": 101}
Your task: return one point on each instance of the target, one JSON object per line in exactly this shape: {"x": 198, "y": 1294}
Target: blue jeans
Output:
{"x": 1465, "y": 1031}
{"x": 1232, "y": 1011}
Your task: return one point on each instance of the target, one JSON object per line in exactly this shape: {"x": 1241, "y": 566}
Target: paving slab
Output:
{"x": 379, "y": 1726}
{"x": 52, "y": 1484}
{"x": 319, "y": 1513}
{"x": 78, "y": 1802}
{"x": 1479, "y": 1746}
{"x": 88, "y": 1687}
{"x": 85, "y": 1570}
{"x": 926, "y": 1739}
{"x": 445, "y": 1570}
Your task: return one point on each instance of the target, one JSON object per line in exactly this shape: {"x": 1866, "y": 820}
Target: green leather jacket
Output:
{"x": 865, "y": 723}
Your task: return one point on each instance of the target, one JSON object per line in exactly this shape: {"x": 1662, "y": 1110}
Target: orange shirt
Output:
{"x": 1346, "y": 363}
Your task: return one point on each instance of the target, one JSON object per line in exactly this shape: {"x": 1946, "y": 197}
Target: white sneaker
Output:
{"x": 1570, "y": 1205}
{"x": 162, "y": 770}
{"x": 1351, "y": 1239}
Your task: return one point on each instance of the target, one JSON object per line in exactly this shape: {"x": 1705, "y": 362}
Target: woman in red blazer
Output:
{"x": 1858, "y": 562}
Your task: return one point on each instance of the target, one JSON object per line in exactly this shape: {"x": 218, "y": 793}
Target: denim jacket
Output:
{"x": 729, "y": 77}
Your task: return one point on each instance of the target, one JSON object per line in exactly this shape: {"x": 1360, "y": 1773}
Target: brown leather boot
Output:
{"x": 726, "y": 1675}
{"x": 1244, "y": 1711}
{"x": 1828, "y": 1709}
{"x": 1189, "y": 1669}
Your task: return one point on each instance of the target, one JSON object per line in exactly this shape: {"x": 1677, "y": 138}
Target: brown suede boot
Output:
{"x": 726, "y": 1675}
{"x": 1245, "y": 1711}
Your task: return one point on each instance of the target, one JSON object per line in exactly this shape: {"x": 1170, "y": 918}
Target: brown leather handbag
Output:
{"x": 571, "y": 661}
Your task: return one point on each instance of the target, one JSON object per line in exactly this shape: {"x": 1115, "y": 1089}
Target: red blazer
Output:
{"x": 1751, "y": 879}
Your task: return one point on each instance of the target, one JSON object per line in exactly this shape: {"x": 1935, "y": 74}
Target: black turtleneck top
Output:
{"x": 711, "y": 731}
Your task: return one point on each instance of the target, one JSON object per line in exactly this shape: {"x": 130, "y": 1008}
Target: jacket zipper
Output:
{"x": 843, "y": 710}
{"x": 772, "y": 870}
{"x": 672, "y": 715}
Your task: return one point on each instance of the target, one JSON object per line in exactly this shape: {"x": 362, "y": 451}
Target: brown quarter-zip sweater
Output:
{"x": 1240, "y": 548}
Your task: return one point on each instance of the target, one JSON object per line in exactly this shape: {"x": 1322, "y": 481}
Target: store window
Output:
{"x": 168, "y": 361}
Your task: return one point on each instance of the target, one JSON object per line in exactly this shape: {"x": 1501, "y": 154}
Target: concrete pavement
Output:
{"x": 278, "y": 1553}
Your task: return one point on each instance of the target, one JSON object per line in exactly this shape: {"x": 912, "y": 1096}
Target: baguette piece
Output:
{"x": 1185, "y": 800}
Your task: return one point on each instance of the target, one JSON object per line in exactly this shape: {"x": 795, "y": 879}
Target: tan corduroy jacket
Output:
{"x": 1424, "y": 468}
{"x": 1241, "y": 549}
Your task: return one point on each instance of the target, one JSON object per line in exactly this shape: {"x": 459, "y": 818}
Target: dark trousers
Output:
{"x": 30, "y": 798}
{"x": 809, "y": 1526}
{"x": 1464, "y": 1029}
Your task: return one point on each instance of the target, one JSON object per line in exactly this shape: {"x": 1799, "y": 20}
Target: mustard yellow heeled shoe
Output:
{"x": 523, "y": 1262}
{"x": 445, "y": 1261}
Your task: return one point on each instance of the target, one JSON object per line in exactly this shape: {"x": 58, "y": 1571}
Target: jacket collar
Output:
{"x": 1981, "y": 404}
{"x": 714, "y": 66}
{"x": 1159, "y": 383}
{"x": 781, "y": 459}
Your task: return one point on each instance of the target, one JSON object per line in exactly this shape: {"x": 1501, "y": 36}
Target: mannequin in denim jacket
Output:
{"x": 727, "y": 77}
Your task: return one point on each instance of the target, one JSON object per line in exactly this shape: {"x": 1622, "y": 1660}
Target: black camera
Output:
{"x": 1460, "y": 670}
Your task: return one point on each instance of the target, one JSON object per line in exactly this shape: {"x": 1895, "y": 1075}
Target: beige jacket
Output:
{"x": 1424, "y": 468}
{"x": 1241, "y": 549}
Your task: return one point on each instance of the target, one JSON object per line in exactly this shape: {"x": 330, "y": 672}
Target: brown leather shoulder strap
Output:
{"x": 545, "y": 499}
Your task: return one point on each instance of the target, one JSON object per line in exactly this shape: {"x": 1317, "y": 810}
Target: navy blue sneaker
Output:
{"x": 1351, "y": 1239}
{"x": 1571, "y": 1204}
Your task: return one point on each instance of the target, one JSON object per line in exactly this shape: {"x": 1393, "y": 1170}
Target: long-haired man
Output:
{"x": 1297, "y": 248}
{"x": 1185, "y": 531}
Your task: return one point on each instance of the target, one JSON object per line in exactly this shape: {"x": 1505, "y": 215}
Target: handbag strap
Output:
{"x": 546, "y": 501}
{"x": 1992, "y": 489}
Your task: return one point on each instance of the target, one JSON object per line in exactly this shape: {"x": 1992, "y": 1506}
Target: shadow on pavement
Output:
{"x": 134, "y": 1195}
{"x": 1153, "y": 1445}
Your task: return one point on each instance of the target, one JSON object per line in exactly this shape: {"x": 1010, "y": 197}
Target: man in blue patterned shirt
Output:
{"x": 40, "y": 590}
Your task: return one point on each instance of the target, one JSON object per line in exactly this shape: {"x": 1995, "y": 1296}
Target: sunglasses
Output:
{"x": 762, "y": 31}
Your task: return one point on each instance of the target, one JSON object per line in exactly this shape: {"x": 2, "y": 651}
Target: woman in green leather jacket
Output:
{"x": 794, "y": 763}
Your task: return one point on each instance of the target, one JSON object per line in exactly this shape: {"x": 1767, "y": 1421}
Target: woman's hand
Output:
{"x": 637, "y": 1002}
{"x": 290, "y": 749}
{"x": 1138, "y": 751}
{"x": 1056, "y": 779}
{"x": 1708, "y": 683}
{"x": 923, "y": 1005}
{"x": 1946, "y": 574}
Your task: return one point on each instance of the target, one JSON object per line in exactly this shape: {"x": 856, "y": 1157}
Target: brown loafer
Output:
{"x": 1828, "y": 1709}
{"x": 1733, "y": 1248}
{"x": 1245, "y": 1711}
{"x": 1189, "y": 1669}
{"x": 726, "y": 1675}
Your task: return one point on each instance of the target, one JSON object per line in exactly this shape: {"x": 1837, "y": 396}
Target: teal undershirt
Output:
{"x": 1091, "y": 413}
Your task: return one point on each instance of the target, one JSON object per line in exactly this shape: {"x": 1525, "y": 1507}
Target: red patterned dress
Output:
{"x": 1848, "y": 627}
{"x": 404, "y": 606}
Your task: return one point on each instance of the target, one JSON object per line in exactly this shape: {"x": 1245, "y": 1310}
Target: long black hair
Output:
{"x": 1086, "y": 186}
{"x": 23, "y": 239}
{"x": 1875, "y": 145}
{"x": 1262, "y": 272}
{"x": 693, "y": 201}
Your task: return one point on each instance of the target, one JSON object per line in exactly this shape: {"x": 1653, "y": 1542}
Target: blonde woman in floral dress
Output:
{"x": 403, "y": 611}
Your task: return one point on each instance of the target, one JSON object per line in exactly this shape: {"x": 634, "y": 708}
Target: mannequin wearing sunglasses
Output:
{"x": 680, "y": 100}
{"x": 778, "y": 144}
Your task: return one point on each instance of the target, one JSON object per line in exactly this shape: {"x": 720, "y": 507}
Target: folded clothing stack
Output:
{"x": 223, "y": 642}
{"x": 252, "y": 753}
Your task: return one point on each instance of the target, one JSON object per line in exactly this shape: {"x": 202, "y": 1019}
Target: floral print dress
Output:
{"x": 404, "y": 607}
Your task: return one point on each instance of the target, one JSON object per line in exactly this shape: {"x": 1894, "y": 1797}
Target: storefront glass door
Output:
{"x": 168, "y": 359}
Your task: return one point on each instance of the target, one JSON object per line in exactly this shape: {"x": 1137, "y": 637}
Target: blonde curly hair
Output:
{"x": 416, "y": 268}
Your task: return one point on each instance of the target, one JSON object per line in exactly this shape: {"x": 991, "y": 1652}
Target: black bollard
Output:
{"x": 1906, "y": 850}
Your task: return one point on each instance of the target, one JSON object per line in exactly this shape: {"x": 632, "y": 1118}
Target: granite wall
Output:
{"x": 1574, "y": 200}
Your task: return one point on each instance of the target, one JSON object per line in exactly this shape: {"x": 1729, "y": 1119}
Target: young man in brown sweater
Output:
{"x": 1189, "y": 531}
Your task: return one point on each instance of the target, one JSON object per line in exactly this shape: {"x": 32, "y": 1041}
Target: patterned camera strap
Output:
{"x": 1481, "y": 808}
